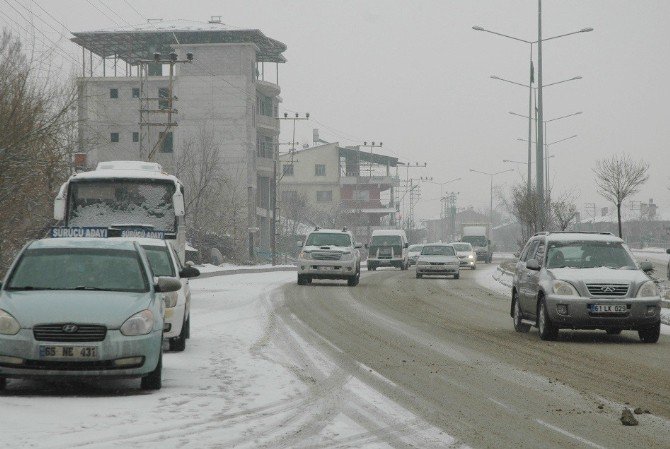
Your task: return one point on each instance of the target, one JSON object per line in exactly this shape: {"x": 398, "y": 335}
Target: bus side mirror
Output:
{"x": 178, "y": 202}
{"x": 59, "y": 204}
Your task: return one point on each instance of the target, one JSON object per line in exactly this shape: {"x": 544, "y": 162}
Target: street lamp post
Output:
{"x": 491, "y": 175}
{"x": 539, "y": 157}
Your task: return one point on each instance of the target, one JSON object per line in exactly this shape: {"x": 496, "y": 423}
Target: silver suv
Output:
{"x": 573, "y": 280}
{"x": 330, "y": 254}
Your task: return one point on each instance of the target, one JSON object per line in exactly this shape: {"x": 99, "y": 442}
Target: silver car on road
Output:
{"x": 438, "y": 259}
{"x": 572, "y": 280}
{"x": 82, "y": 307}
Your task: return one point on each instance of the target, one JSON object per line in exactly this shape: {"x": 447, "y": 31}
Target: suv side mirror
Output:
{"x": 366, "y": 246}
{"x": 667, "y": 251}
{"x": 406, "y": 245}
{"x": 533, "y": 264}
{"x": 189, "y": 272}
{"x": 646, "y": 266}
{"x": 358, "y": 245}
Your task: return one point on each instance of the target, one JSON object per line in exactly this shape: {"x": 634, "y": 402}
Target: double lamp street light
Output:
{"x": 540, "y": 137}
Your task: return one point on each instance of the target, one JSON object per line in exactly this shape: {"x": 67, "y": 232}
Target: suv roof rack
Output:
{"x": 344, "y": 229}
{"x": 317, "y": 228}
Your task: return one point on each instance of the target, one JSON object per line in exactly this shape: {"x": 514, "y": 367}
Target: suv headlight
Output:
{"x": 471, "y": 256}
{"x": 304, "y": 255}
{"x": 139, "y": 324}
{"x": 8, "y": 324}
{"x": 563, "y": 288}
{"x": 647, "y": 290}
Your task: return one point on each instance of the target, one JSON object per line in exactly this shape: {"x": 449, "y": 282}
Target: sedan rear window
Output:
{"x": 79, "y": 269}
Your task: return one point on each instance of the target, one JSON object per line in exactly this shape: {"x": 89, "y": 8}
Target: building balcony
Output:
{"x": 367, "y": 207}
{"x": 269, "y": 124}
{"x": 387, "y": 181}
{"x": 268, "y": 89}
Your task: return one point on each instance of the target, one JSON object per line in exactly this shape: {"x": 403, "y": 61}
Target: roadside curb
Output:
{"x": 244, "y": 271}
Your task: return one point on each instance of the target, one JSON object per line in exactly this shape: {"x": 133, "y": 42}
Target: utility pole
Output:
{"x": 372, "y": 146}
{"x": 145, "y": 103}
{"x": 275, "y": 183}
{"x": 408, "y": 189}
{"x": 450, "y": 210}
{"x": 539, "y": 152}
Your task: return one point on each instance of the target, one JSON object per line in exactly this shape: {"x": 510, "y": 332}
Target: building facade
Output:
{"x": 220, "y": 103}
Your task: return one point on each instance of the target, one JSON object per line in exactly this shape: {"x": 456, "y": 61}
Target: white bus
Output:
{"x": 122, "y": 198}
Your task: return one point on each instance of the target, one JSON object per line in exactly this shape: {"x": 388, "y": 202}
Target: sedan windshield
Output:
{"x": 328, "y": 239}
{"x": 588, "y": 254}
{"x": 79, "y": 269}
{"x": 159, "y": 259}
{"x": 437, "y": 250}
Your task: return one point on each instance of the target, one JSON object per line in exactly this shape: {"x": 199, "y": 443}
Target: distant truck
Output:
{"x": 477, "y": 234}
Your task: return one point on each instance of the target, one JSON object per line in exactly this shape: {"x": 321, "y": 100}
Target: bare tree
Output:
{"x": 563, "y": 212}
{"x": 619, "y": 177}
{"x": 37, "y": 129}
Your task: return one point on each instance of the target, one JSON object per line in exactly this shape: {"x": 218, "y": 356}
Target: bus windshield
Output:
{"x": 107, "y": 202}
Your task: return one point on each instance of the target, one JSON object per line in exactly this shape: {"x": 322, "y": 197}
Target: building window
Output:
{"x": 265, "y": 106}
{"x": 113, "y": 93}
{"x": 319, "y": 170}
{"x": 287, "y": 169}
{"x": 264, "y": 146}
{"x": 136, "y": 92}
{"x": 163, "y": 92}
{"x": 114, "y": 137}
{"x": 361, "y": 195}
{"x": 324, "y": 196}
{"x": 167, "y": 142}
{"x": 136, "y": 137}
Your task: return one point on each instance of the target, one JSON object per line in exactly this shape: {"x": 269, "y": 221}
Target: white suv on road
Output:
{"x": 329, "y": 254}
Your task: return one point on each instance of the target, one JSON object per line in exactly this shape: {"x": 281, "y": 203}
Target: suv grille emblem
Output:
{"x": 70, "y": 328}
{"x": 607, "y": 289}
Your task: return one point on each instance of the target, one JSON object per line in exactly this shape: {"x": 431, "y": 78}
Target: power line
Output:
{"x": 133, "y": 8}
{"x": 114, "y": 12}
{"x": 102, "y": 12}
{"x": 49, "y": 14}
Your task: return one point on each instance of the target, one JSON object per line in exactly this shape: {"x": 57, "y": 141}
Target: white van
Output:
{"x": 388, "y": 248}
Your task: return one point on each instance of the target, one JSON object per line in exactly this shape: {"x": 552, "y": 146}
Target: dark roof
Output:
{"x": 141, "y": 42}
{"x": 366, "y": 156}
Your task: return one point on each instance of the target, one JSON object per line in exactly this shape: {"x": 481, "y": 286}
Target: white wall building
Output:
{"x": 229, "y": 92}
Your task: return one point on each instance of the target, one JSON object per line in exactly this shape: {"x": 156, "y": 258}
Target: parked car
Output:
{"x": 466, "y": 255}
{"x": 388, "y": 248}
{"x": 438, "y": 259}
{"x": 573, "y": 280}
{"x": 413, "y": 253}
{"x": 82, "y": 307}
{"x": 330, "y": 254}
{"x": 165, "y": 262}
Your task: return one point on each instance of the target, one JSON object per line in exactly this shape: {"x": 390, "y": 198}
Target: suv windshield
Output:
{"x": 79, "y": 269}
{"x": 386, "y": 240}
{"x": 328, "y": 239}
{"x": 437, "y": 250}
{"x": 159, "y": 259}
{"x": 588, "y": 254}
{"x": 462, "y": 247}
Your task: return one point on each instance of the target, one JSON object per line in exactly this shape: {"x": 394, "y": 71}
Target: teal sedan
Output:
{"x": 82, "y": 307}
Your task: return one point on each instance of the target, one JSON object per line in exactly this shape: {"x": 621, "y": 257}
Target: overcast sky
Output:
{"x": 415, "y": 75}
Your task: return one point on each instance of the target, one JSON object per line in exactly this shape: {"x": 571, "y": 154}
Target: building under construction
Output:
{"x": 174, "y": 91}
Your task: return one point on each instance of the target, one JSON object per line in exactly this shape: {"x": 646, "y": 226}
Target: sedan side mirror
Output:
{"x": 667, "y": 251}
{"x": 533, "y": 264}
{"x": 166, "y": 284}
{"x": 358, "y": 245}
{"x": 646, "y": 266}
{"x": 189, "y": 272}
{"x": 366, "y": 246}
{"x": 406, "y": 245}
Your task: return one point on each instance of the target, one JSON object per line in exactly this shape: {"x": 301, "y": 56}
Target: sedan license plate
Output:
{"x": 325, "y": 268}
{"x": 608, "y": 308}
{"x": 69, "y": 352}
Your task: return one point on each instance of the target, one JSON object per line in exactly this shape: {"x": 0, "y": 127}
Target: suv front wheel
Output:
{"x": 650, "y": 334}
{"x": 548, "y": 331}
{"x": 519, "y": 325}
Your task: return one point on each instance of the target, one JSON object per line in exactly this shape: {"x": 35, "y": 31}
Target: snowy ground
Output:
{"x": 493, "y": 278}
{"x": 236, "y": 385}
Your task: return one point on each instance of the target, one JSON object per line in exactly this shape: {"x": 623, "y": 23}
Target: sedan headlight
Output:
{"x": 563, "y": 288}
{"x": 139, "y": 324}
{"x": 422, "y": 262}
{"x": 304, "y": 255}
{"x": 8, "y": 324}
{"x": 647, "y": 290}
{"x": 471, "y": 256}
